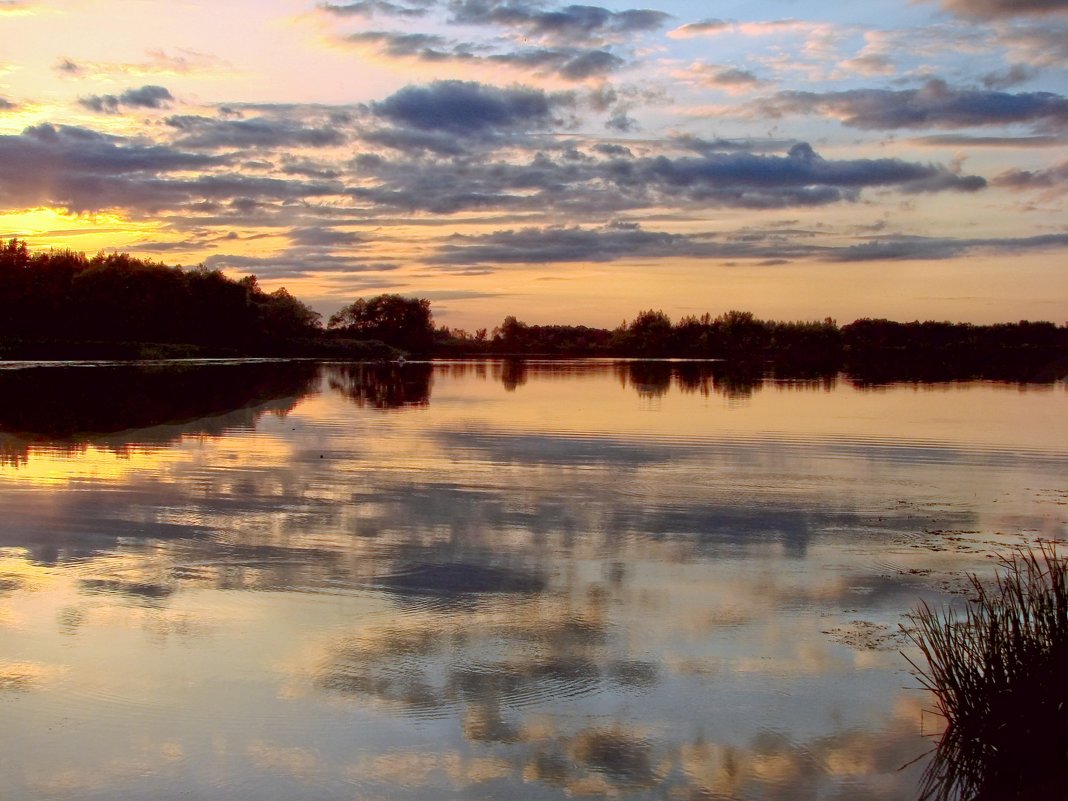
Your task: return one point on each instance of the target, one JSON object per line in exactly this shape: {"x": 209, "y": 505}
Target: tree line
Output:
{"x": 61, "y": 304}
{"x": 869, "y": 349}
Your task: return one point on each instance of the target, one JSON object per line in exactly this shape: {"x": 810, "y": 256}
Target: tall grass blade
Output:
{"x": 999, "y": 674}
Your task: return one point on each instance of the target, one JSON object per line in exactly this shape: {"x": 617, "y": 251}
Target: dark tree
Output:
{"x": 649, "y": 334}
{"x": 115, "y": 305}
{"x": 402, "y": 322}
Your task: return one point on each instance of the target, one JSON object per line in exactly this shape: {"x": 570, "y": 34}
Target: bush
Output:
{"x": 999, "y": 673}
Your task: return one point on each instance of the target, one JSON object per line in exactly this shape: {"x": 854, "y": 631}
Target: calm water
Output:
{"x": 489, "y": 581}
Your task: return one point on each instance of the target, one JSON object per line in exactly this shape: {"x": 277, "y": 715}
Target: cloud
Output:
{"x": 7, "y": 105}
{"x": 309, "y": 169}
{"x": 84, "y": 170}
{"x": 1012, "y": 76}
{"x": 1055, "y": 178}
{"x": 597, "y": 186}
{"x": 206, "y": 133}
{"x": 145, "y": 97}
{"x": 964, "y": 140}
{"x": 706, "y": 146}
{"x": 572, "y": 23}
{"x": 84, "y": 150}
{"x": 1042, "y": 44}
{"x": 717, "y": 76}
{"x": 429, "y": 47}
{"x": 702, "y": 28}
{"x": 897, "y": 248}
{"x": 802, "y": 177}
{"x": 67, "y": 67}
{"x": 992, "y": 9}
{"x": 159, "y": 62}
{"x": 570, "y": 63}
{"x": 774, "y": 27}
{"x": 368, "y": 8}
{"x": 935, "y": 105}
{"x": 467, "y": 108}
{"x": 296, "y": 262}
{"x": 320, "y": 237}
{"x": 559, "y": 244}
{"x": 870, "y": 64}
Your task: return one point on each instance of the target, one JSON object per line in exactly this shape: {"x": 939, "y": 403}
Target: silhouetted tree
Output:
{"x": 648, "y": 334}
{"x": 396, "y": 320}
{"x": 62, "y": 301}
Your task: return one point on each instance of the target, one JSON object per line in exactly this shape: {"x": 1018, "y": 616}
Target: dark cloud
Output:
{"x": 571, "y": 63}
{"x": 935, "y": 105}
{"x": 309, "y": 169}
{"x": 368, "y": 8}
{"x": 145, "y": 97}
{"x": 67, "y": 67}
{"x": 590, "y": 187}
{"x": 897, "y": 248}
{"x": 557, "y": 244}
{"x": 963, "y": 140}
{"x": 1012, "y": 76}
{"x": 320, "y": 237}
{"x": 466, "y": 108}
{"x": 84, "y": 170}
{"x": 168, "y": 247}
{"x": 718, "y": 76}
{"x": 209, "y": 134}
{"x": 7, "y": 105}
{"x": 298, "y": 261}
{"x": 560, "y": 244}
{"x": 613, "y": 151}
{"x": 732, "y": 76}
{"x": 425, "y": 46}
{"x": 572, "y": 23}
{"x": 1055, "y": 178}
{"x": 802, "y": 177}
{"x": 707, "y": 146}
{"x": 415, "y": 142}
{"x": 622, "y": 122}
{"x": 81, "y": 150}
{"x": 991, "y": 9}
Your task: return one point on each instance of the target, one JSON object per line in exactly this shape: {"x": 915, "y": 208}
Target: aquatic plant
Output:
{"x": 999, "y": 673}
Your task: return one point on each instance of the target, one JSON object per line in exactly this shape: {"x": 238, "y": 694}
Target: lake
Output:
{"x": 490, "y": 580}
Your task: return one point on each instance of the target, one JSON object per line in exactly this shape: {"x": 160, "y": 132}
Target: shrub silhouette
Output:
{"x": 999, "y": 672}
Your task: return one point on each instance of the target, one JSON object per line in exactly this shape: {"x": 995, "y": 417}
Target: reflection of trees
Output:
{"x": 655, "y": 378}
{"x": 75, "y": 405}
{"x": 649, "y": 377}
{"x": 512, "y": 373}
{"x": 383, "y": 386}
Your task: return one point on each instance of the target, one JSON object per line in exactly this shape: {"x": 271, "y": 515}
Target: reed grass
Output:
{"x": 999, "y": 673}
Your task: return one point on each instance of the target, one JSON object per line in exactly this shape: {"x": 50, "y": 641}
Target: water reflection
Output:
{"x": 383, "y": 386}
{"x": 70, "y": 406}
{"x": 533, "y": 583}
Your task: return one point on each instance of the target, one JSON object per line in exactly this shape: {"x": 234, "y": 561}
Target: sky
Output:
{"x": 562, "y": 163}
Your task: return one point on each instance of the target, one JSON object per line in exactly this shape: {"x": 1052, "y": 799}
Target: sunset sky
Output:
{"x": 562, "y": 163}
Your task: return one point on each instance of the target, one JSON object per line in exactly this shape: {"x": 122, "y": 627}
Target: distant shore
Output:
{"x": 61, "y": 305}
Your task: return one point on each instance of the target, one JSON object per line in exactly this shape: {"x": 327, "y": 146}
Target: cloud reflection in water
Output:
{"x": 495, "y": 580}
